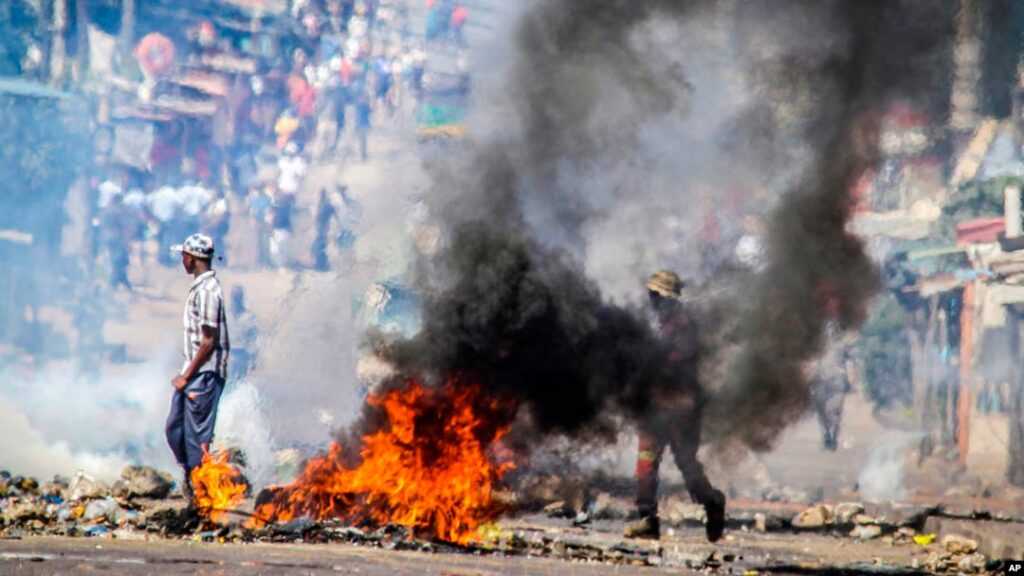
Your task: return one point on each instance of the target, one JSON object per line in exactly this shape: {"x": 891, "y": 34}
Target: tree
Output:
{"x": 18, "y": 30}
{"x": 885, "y": 352}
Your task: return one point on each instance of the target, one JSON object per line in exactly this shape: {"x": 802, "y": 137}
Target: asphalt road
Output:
{"x": 67, "y": 556}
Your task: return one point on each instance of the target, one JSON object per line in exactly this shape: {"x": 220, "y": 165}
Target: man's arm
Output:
{"x": 206, "y": 347}
{"x": 205, "y": 352}
{"x": 852, "y": 365}
{"x": 209, "y": 311}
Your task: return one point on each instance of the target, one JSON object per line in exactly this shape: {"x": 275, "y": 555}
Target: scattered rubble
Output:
{"x": 103, "y": 510}
{"x": 677, "y": 512}
{"x": 144, "y": 482}
{"x": 85, "y": 487}
{"x": 604, "y": 506}
{"x": 143, "y": 505}
{"x": 814, "y": 517}
{"x": 760, "y": 522}
{"x": 972, "y": 563}
{"x": 85, "y": 506}
{"x": 866, "y": 532}
{"x": 542, "y": 492}
{"x": 559, "y": 509}
{"x": 956, "y": 544}
{"x": 846, "y": 512}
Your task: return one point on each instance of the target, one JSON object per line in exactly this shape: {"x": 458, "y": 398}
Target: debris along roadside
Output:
{"x": 144, "y": 506}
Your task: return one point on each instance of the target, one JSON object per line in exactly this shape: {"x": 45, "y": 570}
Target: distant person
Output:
{"x": 350, "y": 215}
{"x": 325, "y": 213}
{"x": 162, "y": 204}
{"x": 261, "y": 201}
{"x": 332, "y": 106}
{"x": 217, "y": 219}
{"x": 281, "y": 221}
{"x": 118, "y": 232}
{"x": 384, "y": 77}
{"x": 831, "y": 374}
{"x": 286, "y": 126}
{"x": 439, "y": 15}
{"x": 417, "y": 69}
{"x": 364, "y": 110}
{"x": 458, "y": 23}
{"x": 302, "y": 96}
{"x": 198, "y": 387}
{"x": 291, "y": 169}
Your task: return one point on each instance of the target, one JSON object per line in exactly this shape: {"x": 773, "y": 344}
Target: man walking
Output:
{"x": 833, "y": 372}
{"x": 674, "y": 420}
{"x": 198, "y": 387}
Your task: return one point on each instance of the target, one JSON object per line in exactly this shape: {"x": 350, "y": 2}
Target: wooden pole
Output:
{"x": 967, "y": 56}
{"x": 1015, "y": 417}
{"x": 1011, "y": 211}
{"x": 82, "y": 33}
{"x": 58, "y": 48}
{"x": 966, "y": 375}
{"x": 126, "y": 37}
{"x": 926, "y": 401}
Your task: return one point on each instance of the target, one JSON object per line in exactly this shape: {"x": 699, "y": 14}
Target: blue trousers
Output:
{"x": 191, "y": 422}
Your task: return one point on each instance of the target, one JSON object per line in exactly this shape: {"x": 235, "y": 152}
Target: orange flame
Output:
{"x": 218, "y": 486}
{"x": 427, "y": 469}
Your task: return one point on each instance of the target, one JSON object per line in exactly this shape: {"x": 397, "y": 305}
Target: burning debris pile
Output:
{"x": 218, "y": 486}
{"x": 335, "y": 500}
{"x": 429, "y": 467}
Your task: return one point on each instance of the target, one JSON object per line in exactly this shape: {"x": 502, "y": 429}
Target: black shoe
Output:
{"x": 829, "y": 442}
{"x": 646, "y": 527}
{"x": 187, "y": 491}
{"x": 715, "y": 510}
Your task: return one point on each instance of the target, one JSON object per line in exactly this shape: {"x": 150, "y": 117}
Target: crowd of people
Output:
{"x": 346, "y": 65}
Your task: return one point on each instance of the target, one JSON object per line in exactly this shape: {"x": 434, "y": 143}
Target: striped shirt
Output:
{"x": 205, "y": 307}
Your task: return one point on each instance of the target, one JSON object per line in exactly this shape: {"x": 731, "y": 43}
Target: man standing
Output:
{"x": 325, "y": 213}
{"x": 198, "y": 387}
{"x": 674, "y": 418}
{"x": 118, "y": 233}
{"x": 364, "y": 110}
{"x": 832, "y": 373}
{"x": 831, "y": 382}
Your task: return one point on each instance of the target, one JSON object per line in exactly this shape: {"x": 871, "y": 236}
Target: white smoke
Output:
{"x": 27, "y": 452}
{"x": 881, "y": 478}
{"x": 53, "y": 422}
{"x": 308, "y": 352}
{"x": 242, "y": 423}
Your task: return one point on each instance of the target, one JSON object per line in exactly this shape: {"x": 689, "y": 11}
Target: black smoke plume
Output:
{"x": 507, "y": 302}
{"x": 884, "y": 53}
{"x": 508, "y": 308}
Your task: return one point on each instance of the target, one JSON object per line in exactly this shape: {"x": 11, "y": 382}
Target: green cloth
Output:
{"x": 433, "y": 116}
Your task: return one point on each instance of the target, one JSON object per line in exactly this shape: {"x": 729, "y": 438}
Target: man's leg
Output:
{"x": 822, "y": 397}
{"x": 650, "y": 446}
{"x": 203, "y": 395}
{"x": 685, "y": 443}
{"x": 834, "y": 409}
{"x": 174, "y": 430}
{"x": 175, "y": 433}
{"x": 648, "y": 462}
